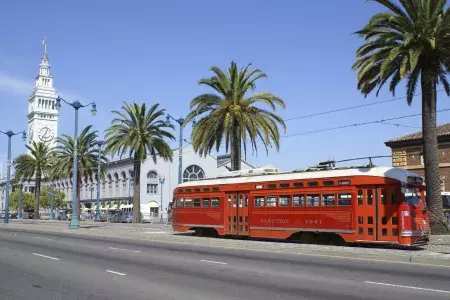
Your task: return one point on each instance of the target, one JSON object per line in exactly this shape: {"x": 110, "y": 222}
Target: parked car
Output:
{"x": 62, "y": 215}
{"x": 30, "y": 215}
{"x": 13, "y": 215}
{"x": 103, "y": 217}
{"x": 120, "y": 217}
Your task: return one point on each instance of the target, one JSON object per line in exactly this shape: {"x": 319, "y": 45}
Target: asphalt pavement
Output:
{"x": 46, "y": 266}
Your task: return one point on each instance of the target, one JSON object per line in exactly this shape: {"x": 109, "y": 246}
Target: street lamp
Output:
{"x": 76, "y": 105}
{"x": 52, "y": 201}
{"x": 10, "y": 134}
{"x": 97, "y": 208}
{"x": 161, "y": 181}
{"x": 180, "y": 121}
{"x": 19, "y": 205}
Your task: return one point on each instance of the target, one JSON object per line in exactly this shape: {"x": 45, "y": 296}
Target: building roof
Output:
{"x": 441, "y": 130}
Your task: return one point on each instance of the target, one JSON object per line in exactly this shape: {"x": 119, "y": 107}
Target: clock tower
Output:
{"x": 42, "y": 113}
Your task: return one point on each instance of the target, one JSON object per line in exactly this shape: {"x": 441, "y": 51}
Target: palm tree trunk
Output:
{"x": 431, "y": 154}
{"x": 235, "y": 148}
{"x": 37, "y": 194}
{"x": 137, "y": 191}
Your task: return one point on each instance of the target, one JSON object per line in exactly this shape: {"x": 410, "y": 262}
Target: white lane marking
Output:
{"x": 117, "y": 273}
{"x": 45, "y": 256}
{"x": 120, "y": 249}
{"x": 41, "y": 238}
{"x": 408, "y": 287}
{"x": 213, "y": 262}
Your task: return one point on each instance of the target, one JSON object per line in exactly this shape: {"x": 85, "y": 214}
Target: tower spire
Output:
{"x": 44, "y": 42}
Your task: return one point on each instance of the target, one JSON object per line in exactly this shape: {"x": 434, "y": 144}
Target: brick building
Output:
{"x": 407, "y": 153}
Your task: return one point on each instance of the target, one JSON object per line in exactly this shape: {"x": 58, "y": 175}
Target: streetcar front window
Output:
{"x": 412, "y": 196}
{"x": 446, "y": 201}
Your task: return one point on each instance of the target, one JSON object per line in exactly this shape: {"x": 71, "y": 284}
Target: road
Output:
{"x": 46, "y": 266}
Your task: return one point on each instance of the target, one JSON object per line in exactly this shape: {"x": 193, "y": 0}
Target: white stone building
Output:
{"x": 158, "y": 181}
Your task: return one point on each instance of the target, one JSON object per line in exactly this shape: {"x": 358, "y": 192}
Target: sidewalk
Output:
{"x": 436, "y": 253}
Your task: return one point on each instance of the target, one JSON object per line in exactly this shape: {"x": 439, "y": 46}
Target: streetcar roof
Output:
{"x": 389, "y": 172}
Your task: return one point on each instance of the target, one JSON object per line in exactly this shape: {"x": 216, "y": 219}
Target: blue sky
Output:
{"x": 156, "y": 51}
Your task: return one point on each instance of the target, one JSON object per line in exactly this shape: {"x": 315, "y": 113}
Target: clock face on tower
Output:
{"x": 46, "y": 134}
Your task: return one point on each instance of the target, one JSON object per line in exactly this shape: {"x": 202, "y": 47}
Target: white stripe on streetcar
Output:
{"x": 213, "y": 262}
{"x": 408, "y": 287}
{"x": 117, "y": 273}
{"x": 45, "y": 256}
{"x": 120, "y": 249}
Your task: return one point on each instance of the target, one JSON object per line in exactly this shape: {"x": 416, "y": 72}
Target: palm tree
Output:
{"x": 87, "y": 158}
{"x": 35, "y": 165}
{"x": 411, "y": 41}
{"x": 232, "y": 115}
{"x": 137, "y": 132}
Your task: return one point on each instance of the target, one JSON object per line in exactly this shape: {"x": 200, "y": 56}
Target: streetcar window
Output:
{"x": 412, "y": 196}
{"x": 298, "y": 184}
{"x": 328, "y": 199}
{"x": 394, "y": 221}
{"x": 197, "y": 202}
{"x": 394, "y": 196}
{"x": 313, "y": 200}
{"x": 271, "y": 201}
{"x": 180, "y": 190}
{"x": 188, "y": 190}
{"x": 180, "y": 202}
{"x": 284, "y": 201}
{"x": 312, "y": 184}
{"x": 259, "y": 201}
{"x": 369, "y": 197}
{"x": 344, "y": 199}
{"x": 229, "y": 201}
{"x": 206, "y": 189}
{"x": 215, "y": 202}
{"x": 188, "y": 202}
{"x": 298, "y": 200}
{"x": 197, "y": 190}
{"x": 215, "y": 189}
{"x": 284, "y": 185}
{"x": 383, "y": 197}
{"x": 206, "y": 202}
{"x": 360, "y": 197}
{"x": 328, "y": 183}
{"x": 271, "y": 186}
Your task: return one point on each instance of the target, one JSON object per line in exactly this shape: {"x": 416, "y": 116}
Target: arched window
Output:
{"x": 193, "y": 172}
{"x": 152, "y": 175}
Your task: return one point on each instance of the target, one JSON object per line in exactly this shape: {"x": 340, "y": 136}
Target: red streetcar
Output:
{"x": 322, "y": 205}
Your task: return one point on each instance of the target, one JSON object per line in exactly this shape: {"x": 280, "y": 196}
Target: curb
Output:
{"x": 427, "y": 259}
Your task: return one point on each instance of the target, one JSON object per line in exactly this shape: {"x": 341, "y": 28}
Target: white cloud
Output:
{"x": 14, "y": 85}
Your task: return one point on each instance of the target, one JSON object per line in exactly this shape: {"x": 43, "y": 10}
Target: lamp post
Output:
{"x": 180, "y": 121}
{"x": 161, "y": 181}
{"x": 74, "y": 224}
{"x": 52, "y": 202}
{"x": 19, "y": 205}
{"x": 10, "y": 134}
{"x": 97, "y": 208}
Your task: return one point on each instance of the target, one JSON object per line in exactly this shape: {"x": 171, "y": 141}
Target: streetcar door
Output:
{"x": 242, "y": 225}
{"x": 237, "y": 214}
{"x": 366, "y": 213}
